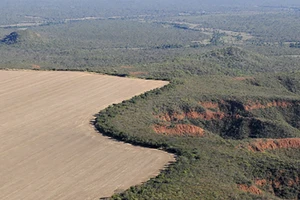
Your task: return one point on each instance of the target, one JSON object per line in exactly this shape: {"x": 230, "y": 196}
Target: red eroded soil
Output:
{"x": 258, "y": 105}
{"x": 212, "y": 111}
{"x": 261, "y": 182}
{"x": 276, "y": 184}
{"x": 171, "y": 117}
{"x": 179, "y": 129}
{"x": 272, "y": 144}
{"x": 207, "y": 115}
{"x": 251, "y": 189}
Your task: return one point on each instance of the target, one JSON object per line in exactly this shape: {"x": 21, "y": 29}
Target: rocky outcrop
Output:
{"x": 237, "y": 120}
{"x": 272, "y": 144}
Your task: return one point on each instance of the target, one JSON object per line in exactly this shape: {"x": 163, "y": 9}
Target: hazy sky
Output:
{"x": 15, "y": 10}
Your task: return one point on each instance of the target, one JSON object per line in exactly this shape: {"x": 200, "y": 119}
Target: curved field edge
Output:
{"x": 122, "y": 75}
{"x": 252, "y": 168}
{"x": 55, "y": 85}
{"x": 209, "y": 167}
{"x": 103, "y": 128}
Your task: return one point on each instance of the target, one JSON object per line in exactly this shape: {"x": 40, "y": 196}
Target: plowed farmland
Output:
{"x": 50, "y": 150}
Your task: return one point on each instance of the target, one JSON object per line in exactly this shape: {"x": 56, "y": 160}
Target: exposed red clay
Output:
{"x": 212, "y": 112}
{"x": 207, "y": 115}
{"x": 171, "y": 117}
{"x": 261, "y": 182}
{"x": 179, "y": 129}
{"x": 275, "y": 184}
{"x": 251, "y": 189}
{"x": 272, "y": 144}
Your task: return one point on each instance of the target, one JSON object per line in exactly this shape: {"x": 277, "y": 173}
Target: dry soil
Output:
{"x": 49, "y": 149}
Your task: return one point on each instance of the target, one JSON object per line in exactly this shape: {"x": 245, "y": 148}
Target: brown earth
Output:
{"x": 272, "y": 144}
{"x": 49, "y": 149}
{"x": 207, "y": 115}
{"x": 251, "y": 189}
{"x": 268, "y": 185}
{"x": 213, "y": 112}
{"x": 179, "y": 129}
{"x": 276, "y": 183}
{"x": 261, "y": 182}
{"x": 171, "y": 117}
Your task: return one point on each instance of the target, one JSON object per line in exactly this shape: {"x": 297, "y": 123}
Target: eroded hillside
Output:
{"x": 213, "y": 123}
{"x": 231, "y": 110}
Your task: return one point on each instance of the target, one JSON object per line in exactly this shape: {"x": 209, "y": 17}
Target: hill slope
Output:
{"x": 21, "y": 37}
{"x": 208, "y": 122}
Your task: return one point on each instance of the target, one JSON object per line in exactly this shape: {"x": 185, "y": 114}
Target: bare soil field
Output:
{"x": 49, "y": 149}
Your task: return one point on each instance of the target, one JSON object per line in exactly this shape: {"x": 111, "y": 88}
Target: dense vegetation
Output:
{"x": 212, "y": 166}
{"x": 234, "y": 77}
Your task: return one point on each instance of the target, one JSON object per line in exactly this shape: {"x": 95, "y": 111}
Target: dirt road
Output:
{"x": 49, "y": 150}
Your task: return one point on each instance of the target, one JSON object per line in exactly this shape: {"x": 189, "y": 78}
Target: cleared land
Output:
{"x": 49, "y": 149}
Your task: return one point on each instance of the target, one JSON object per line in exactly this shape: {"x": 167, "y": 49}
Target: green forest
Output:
{"x": 231, "y": 112}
